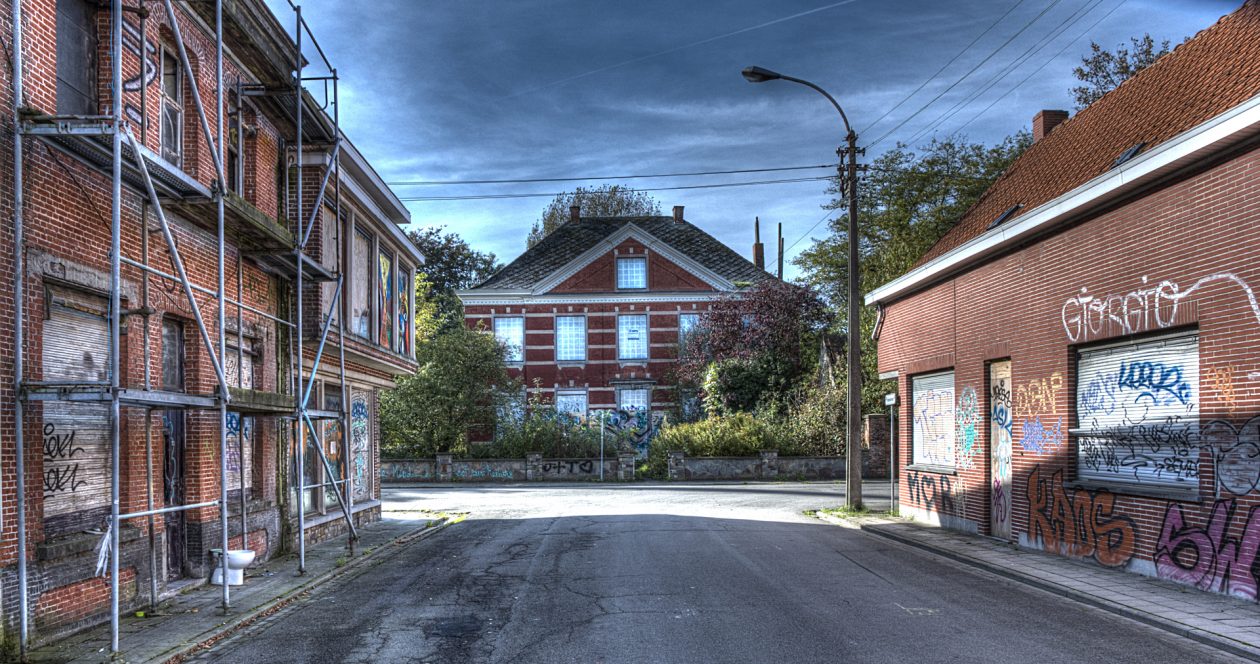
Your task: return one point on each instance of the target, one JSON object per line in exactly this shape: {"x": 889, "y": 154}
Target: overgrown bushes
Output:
{"x": 554, "y": 435}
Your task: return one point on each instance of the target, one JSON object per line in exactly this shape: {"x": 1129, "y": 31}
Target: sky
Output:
{"x": 457, "y": 90}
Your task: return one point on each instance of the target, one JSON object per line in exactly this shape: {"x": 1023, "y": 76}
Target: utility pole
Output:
{"x": 780, "y": 273}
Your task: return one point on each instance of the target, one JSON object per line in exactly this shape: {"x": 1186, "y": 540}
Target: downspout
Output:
{"x": 19, "y": 343}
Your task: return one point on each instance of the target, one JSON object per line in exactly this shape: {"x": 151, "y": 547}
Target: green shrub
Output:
{"x": 816, "y": 422}
{"x": 738, "y": 434}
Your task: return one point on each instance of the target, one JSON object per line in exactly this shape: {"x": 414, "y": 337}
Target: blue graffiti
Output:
{"x": 1039, "y": 438}
{"x": 1162, "y": 384}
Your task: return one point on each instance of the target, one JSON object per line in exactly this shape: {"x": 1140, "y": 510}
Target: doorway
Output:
{"x": 173, "y": 439}
{"x": 1000, "y": 434}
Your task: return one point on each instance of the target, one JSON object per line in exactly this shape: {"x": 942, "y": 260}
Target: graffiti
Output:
{"x": 1144, "y": 309}
{"x": 1002, "y": 427}
{"x": 131, "y": 41}
{"x": 360, "y": 443}
{"x": 61, "y": 471}
{"x": 933, "y": 492}
{"x": 1039, "y": 396}
{"x": 1221, "y": 380}
{"x": 568, "y": 467}
{"x": 1080, "y": 524}
{"x": 1207, "y": 557}
{"x": 1040, "y": 438}
{"x": 968, "y": 417}
{"x": 934, "y": 425}
{"x": 467, "y": 471}
{"x": 638, "y": 426}
{"x": 1154, "y": 380}
{"x": 1237, "y": 454}
{"x": 1167, "y": 449}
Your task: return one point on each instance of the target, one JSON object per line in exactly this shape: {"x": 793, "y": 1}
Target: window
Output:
{"x": 1137, "y": 409}
{"x": 386, "y": 304}
{"x": 570, "y": 338}
{"x": 240, "y": 451}
{"x": 932, "y": 433}
{"x": 333, "y": 445}
{"x": 361, "y": 286}
{"x": 405, "y": 326}
{"x": 510, "y": 331}
{"x": 233, "y": 167}
{"x": 361, "y": 415}
{"x": 171, "y": 118}
{"x": 632, "y": 273}
{"x": 634, "y": 399}
{"x": 686, "y": 325}
{"x": 571, "y": 402}
{"x": 632, "y": 336}
{"x": 76, "y": 57}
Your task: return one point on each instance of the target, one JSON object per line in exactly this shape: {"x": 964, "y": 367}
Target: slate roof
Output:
{"x": 572, "y": 239}
{"x": 1213, "y": 72}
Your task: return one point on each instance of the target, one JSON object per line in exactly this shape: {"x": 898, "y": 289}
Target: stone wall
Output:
{"x": 533, "y": 468}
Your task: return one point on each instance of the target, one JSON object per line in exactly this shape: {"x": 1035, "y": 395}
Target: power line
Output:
{"x": 419, "y": 183}
{"x": 811, "y": 230}
{"x": 943, "y": 67}
{"x": 1063, "y": 26}
{"x": 964, "y": 76}
{"x": 426, "y": 199}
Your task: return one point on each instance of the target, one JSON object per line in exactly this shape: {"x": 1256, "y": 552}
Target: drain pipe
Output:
{"x": 19, "y": 343}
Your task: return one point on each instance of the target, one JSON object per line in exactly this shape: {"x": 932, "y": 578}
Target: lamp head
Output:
{"x": 760, "y": 75}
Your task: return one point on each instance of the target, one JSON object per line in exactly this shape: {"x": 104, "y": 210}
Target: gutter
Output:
{"x": 1182, "y": 151}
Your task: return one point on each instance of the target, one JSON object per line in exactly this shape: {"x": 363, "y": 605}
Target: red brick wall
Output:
{"x": 601, "y": 274}
{"x": 1018, "y": 307}
{"x": 71, "y": 603}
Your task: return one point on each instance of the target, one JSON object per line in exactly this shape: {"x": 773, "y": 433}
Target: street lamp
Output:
{"x": 848, "y": 187}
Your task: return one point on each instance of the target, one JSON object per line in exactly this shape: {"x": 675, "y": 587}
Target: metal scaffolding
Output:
{"x": 108, "y": 144}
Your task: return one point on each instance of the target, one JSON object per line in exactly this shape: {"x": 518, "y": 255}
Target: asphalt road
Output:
{"x": 679, "y": 573}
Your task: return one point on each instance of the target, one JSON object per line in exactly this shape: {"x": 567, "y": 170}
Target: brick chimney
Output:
{"x": 759, "y": 249}
{"x": 678, "y": 216}
{"x": 575, "y": 213}
{"x": 1045, "y": 121}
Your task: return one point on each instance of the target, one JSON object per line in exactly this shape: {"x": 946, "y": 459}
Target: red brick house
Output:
{"x": 593, "y": 314}
{"x": 1078, "y": 360}
{"x": 168, "y": 428}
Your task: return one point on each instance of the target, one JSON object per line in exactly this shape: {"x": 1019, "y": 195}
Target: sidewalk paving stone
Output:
{"x": 191, "y": 618}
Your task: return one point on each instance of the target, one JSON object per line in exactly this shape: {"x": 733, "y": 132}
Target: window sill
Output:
{"x": 1140, "y": 490}
{"x": 927, "y": 468}
{"x": 571, "y": 363}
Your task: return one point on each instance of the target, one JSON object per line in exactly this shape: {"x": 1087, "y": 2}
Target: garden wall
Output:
{"x": 533, "y": 468}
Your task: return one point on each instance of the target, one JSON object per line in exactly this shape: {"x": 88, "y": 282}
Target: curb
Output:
{"x": 1202, "y": 636}
{"x": 235, "y": 623}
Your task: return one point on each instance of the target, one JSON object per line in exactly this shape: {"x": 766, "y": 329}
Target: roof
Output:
{"x": 566, "y": 243}
{"x": 1204, "y": 77}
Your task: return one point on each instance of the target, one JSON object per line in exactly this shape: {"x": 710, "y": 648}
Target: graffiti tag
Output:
{"x": 1080, "y": 524}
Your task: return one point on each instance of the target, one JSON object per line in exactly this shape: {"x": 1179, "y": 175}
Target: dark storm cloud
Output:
{"x": 463, "y": 89}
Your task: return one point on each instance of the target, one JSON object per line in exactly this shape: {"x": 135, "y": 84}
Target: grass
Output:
{"x": 845, "y": 512}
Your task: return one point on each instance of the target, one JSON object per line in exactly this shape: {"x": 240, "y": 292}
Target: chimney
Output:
{"x": 575, "y": 213}
{"x": 678, "y": 216}
{"x": 759, "y": 249}
{"x": 1045, "y": 121}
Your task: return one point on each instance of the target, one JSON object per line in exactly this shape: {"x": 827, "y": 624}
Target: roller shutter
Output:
{"x": 933, "y": 424}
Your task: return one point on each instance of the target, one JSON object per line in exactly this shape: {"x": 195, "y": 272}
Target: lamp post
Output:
{"x": 848, "y": 187}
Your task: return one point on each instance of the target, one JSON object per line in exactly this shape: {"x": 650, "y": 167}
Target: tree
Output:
{"x": 906, "y": 202}
{"x": 607, "y": 200}
{"x": 1102, "y": 71}
{"x": 461, "y": 383}
{"x": 754, "y": 348}
{"x": 450, "y": 264}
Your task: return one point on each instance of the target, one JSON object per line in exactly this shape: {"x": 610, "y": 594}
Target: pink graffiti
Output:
{"x": 1207, "y": 557}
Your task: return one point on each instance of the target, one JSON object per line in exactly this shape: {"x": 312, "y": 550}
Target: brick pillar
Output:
{"x": 677, "y": 465}
{"x": 533, "y": 466}
{"x": 876, "y": 441}
{"x": 625, "y": 466}
{"x": 769, "y": 464}
{"x": 444, "y": 467}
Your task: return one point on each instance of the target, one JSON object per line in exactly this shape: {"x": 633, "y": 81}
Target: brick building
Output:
{"x": 593, "y": 314}
{"x": 1077, "y": 360}
{"x": 168, "y": 385}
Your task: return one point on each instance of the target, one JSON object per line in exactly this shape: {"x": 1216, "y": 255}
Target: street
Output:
{"x": 677, "y": 573}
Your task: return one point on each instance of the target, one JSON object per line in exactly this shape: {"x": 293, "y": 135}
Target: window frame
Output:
{"x": 573, "y": 392}
{"x": 358, "y": 273}
{"x": 628, "y": 260}
{"x": 621, "y": 352}
{"x": 647, "y": 401}
{"x": 691, "y": 329}
{"x": 177, "y": 103}
{"x": 917, "y": 445}
{"x": 494, "y": 329}
{"x": 583, "y": 338}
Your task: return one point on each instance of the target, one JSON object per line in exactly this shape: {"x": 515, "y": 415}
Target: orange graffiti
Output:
{"x": 1039, "y": 396}
{"x": 1221, "y": 379}
{"x": 1080, "y": 525}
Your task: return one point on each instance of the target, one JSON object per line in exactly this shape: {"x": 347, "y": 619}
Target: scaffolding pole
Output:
{"x": 115, "y": 309}
{"x": 19, "y": 310}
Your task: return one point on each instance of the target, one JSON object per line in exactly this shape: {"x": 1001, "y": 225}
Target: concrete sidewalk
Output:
{"x": 192, "y": 620}
{"x": 1228, "y": 623}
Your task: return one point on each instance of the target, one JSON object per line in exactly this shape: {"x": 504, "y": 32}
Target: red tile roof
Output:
{"x": 1213, "y": 72}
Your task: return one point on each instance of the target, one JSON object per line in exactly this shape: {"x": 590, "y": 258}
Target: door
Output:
{"x": 1000, "y": 426}
{"x": 173, "y": 434}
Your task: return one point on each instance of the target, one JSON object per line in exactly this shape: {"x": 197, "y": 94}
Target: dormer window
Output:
{"x": 171, "y": 118}
{"x": 632, "y": 273}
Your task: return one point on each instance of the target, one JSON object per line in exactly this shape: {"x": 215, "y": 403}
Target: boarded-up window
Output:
{"x": 932, "y": 428}
{"x": 1137, "y": 410}
{"x": 405, "y": 327}
{"x": 240, "y": 450}
{"x": 330, "y": 239}
{"x": 571, "y": 402}
{"x": 361, "y": 286}
{"x": 239, "y": 373}
{"x": 333, "y": 443}
{"x": 75, "y": 435}
{"x": 76, "y": 57}
{"x": 361, "y": 444}
{"x": 386, "y": 304}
